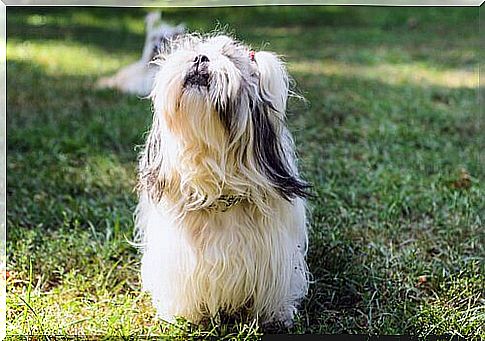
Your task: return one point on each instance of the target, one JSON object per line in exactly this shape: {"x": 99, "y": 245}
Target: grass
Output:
{"x": 390, "y": 139}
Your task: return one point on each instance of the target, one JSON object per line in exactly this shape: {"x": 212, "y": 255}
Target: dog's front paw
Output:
{"x": 284, "y": 318}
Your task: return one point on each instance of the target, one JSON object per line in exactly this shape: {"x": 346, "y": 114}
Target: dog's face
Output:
{"x": 223, "y": 78}
{"x": 225, "y": 104}
{"x": 218, "y": 70}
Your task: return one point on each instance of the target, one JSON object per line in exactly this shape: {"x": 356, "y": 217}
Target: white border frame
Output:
{"x": 219, "y": 3}
{"x": 165, "y": 3}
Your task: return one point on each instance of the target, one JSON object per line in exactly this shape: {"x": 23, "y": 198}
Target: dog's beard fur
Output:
{"x": 219, "y": 132}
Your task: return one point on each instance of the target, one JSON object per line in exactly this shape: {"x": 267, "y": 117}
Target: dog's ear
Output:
{"x": 273, "y": 80}
{"x": 272, "y": 144}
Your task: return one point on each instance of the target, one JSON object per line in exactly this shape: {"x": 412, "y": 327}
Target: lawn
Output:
{"x": 389, "y": 137}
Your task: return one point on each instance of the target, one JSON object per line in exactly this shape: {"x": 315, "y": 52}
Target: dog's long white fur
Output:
{"x": 199, "y": 260}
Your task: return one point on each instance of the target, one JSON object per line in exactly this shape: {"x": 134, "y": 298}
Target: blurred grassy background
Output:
{"x": 390, "y": 139}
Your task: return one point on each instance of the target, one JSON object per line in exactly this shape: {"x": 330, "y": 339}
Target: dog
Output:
{"x": 221, "y": 216}
{"x": 137, "y": 78}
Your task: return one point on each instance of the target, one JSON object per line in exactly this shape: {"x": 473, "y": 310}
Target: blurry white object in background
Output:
{"x": 137, "y": 78}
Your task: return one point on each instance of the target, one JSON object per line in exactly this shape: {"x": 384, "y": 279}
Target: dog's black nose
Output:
{"x": 198, "y": 74}
{"x": 201, "y": 59}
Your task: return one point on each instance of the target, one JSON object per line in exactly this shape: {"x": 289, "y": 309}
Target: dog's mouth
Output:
{"x": 198, "y": 75}
{"x": 197, "y": 78}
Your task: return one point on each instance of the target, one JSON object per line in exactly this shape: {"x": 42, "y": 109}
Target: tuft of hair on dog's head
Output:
{"x": 219, "y": 123}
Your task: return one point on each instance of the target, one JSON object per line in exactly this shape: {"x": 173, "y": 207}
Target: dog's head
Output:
{"x": 225, "y": 105}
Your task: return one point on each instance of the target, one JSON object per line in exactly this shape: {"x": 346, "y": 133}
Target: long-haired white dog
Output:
{"x": 138, "y": 78}
{"x": 222, "y": 208}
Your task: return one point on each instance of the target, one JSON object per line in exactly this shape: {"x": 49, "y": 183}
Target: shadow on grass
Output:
{"x": 71, "y": 151}
{"x": 319, "y": 30}
{"x": 86, "y": 26}
{"x": 66, "y": 114}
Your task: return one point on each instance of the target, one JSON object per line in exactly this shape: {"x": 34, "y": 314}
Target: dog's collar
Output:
{"x": 225, "y": 202}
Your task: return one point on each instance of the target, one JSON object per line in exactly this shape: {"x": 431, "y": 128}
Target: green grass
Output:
{"x": 390, "y": 139}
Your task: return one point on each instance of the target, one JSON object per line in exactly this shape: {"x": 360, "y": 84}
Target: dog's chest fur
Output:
{"x": 222, "y": 261}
